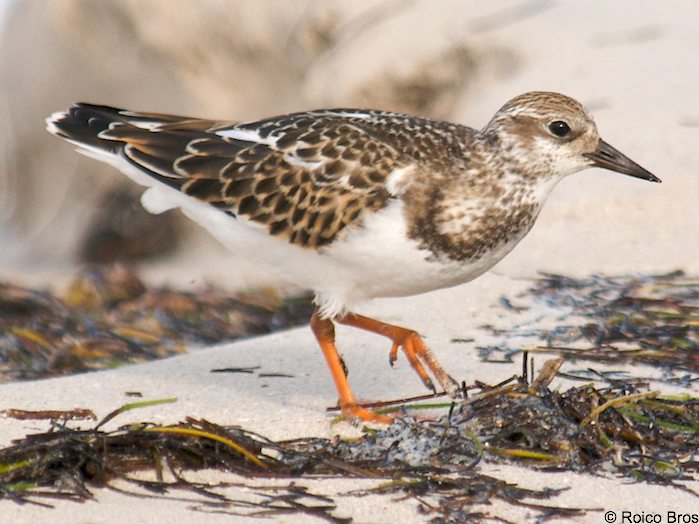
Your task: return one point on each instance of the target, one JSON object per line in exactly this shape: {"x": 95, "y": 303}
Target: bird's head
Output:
{"x": 552, "y": 134}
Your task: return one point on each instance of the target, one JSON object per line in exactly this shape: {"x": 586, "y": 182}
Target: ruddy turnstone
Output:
{"x": 356, "y": 204}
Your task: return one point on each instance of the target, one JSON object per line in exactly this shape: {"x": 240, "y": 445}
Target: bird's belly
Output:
{"x": 375, "y": 260}
{"x": 382, "y": 261}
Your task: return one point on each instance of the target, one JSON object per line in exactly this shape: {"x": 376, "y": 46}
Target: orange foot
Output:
{"x": 414, "y": 348}
{"x": 324, "y": 331}
{"x": 417, "y": 352}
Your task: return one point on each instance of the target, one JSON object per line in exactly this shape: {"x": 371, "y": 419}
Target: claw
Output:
{"x": 454, "y": 389}
{"x": 393, "y": 355}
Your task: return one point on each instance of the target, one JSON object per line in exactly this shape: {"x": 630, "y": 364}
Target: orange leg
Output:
{"x": 414, "y": 348}
{"x": 324, "y": 331}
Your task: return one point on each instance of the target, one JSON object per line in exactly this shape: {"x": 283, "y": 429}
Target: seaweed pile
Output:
{"x": 107, "y": 317}
{"x": 638, "y": 435}
{"x": 614, "y": 426}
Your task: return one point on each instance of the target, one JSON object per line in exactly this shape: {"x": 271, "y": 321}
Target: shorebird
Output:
{"x": 356, "y": 204}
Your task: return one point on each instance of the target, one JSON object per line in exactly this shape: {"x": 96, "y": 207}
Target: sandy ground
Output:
{"x": 635, "y": 65}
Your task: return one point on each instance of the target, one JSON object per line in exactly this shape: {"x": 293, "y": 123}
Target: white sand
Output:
{"x": 637, "y": 62}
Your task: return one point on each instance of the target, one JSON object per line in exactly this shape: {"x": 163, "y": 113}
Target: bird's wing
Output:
{"x": 304, "y": 177}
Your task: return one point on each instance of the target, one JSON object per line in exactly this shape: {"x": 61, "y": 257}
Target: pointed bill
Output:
{"x": 607, "y": 157}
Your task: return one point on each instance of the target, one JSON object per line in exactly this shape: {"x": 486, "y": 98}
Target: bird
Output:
{"x": 356, "y": 204}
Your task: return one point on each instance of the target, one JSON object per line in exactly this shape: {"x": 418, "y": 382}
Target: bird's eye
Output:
{"x": 559, "y": 128}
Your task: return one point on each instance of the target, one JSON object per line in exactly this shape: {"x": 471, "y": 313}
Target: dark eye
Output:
{"x": 559, "y": 128}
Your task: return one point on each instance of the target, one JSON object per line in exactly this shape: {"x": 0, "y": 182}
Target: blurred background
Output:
{"x": 633, "y": 63}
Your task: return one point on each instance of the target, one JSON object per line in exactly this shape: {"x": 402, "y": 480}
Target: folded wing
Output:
{"x": 305, "y": 177}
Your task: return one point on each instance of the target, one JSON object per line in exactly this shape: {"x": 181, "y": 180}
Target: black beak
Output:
{"x": 609, "y": 158}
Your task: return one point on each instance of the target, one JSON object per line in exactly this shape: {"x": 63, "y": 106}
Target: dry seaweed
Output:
{"x": 652, "y": 320}
{"x": 107, "y": 317}
{"x": 620, "y": 430}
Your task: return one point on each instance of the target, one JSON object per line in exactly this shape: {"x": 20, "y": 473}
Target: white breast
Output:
{"x": 379, "y": 260}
